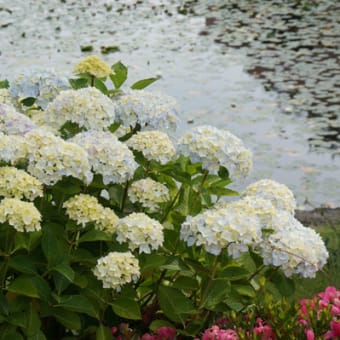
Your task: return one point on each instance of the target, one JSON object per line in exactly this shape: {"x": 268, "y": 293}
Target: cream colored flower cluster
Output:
{"x": 231, "y": 228}
{"x": 116, "y": 269}
{"x": 13, "y": 148}
{"x": 19, "y": 184}
{"x": 279, "y": 194}
{"x": 85, "y": 209}
{"x": 22, "y": 216}
{"x": 150, "y": 110}
{"x": 215, "y": 148}
{"x": 140, "y": 231}
{"x": 154, "y": 145}
{"x": 87, "y": 107}
{"x": 294, "y": 248}
{"x": 6, "y": 98}
{"x": 148, "y": 193}
{"x": 13, "y": 122}
{"x": 93, "y": 65}
{"x": 107, "y": 156}
{"x": 51, "y": 162}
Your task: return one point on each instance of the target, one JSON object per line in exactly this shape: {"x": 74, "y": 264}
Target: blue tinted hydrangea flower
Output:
{"x": 294, "y": 248}
{"x": 154, "y": 145}
{"x": 13, "y": 122}
{"x": 22, "y": 216}
{"x": 149, "y": 193}
{"x": 19, "y": 184}
{"x": 87, "y": 107}
{"x": 42, "y": 85}
{"x": 214, "y": 148}
{"x": 149, "y": 110}
{"x": 140, "y": 231}
{"x": 279, "y": 194}
{"x": 13, "y": 148}
{"x": 107, "y": 155}
{"x": 116, "y": 269}
{"x": 230, "y": 228}
{"x": 51, "y": 162}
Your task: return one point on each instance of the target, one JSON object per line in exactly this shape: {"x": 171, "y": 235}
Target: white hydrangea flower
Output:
{"x": 215, "y": 148}
{"x": 40, "y": 137}
{"x": 87, "y": 107}
{"x": 279, "y": 194}
{"x": 107, "y": 155}
{"x": 19, "y": 184}
{"x": 117, "y": 269}
{"x": 140, "y": 231}
{"x": 51, "y": 162}
{"x": 6, "y": 98}
{"x": 85, "y": 209}
{"x": 13, "y": 148}
{"x": 154, "y": 145}
{"x": 230, "y": 228}
{"x": 149, "y": 110}
{"x": 294, "y": 248}
{"x": 42, "y": 85}
{"x": 13, "y": 122}
{"x": 22, "y": 216}
{"x": 148, "y": 193}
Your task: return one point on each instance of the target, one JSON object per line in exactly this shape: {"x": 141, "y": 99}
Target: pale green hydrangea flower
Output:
{"x": 93, "y": 65}
{"x": 13, "y": 122}
{"x": 214, "y": 148}
{"x": 6, "y": 98}
{"x": 22, "y": 216}
{"x": 85, "y": 209}
{"x": 230, "y": 228}
{"x": 279, "y": 194}
{"x": 13, "y": 148}
{"x": 151, "y": 111}
{"x": 51, "y": 162}
{"x": 107, "y": 155}
{"x": 87, "y": 107}
{"x": 154, "y": 145}
{"x": 149, "y": 193}
{"x": 140, "y": 231}
{"x": 294, "y": 248}
{"x": 19, "y": 184}
{"x": 116, "y": 269}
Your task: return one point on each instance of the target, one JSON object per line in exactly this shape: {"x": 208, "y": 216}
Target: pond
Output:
{"x": 208, "y": 80}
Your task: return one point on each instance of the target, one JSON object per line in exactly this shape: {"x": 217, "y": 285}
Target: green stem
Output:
{"x": 212, "y": 277}
{"x": 4, "y": 267}
{"x": 171, "y": 204}
{"x": 122, "y": 204}
{"x": 92, "y": 81}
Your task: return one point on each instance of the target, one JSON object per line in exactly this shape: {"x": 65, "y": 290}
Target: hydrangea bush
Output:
{"x": 107, "y": 218}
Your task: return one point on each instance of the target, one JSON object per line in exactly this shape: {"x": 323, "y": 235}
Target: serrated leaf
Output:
{"x": 126, "y": 307}
{"x": 233, "y": 272}
{"x": 23, "y": 264}
{"x": 95, "y": 235}
{"x": 98, "y": 84}
{"x": 78, "y": 83}
{"x": 79, "y": 304}
{"x": 175, "y": 305}
{"x": 217, "y": 292}
{"x": 141, "y": 84}
{"x": 150, "y": 262}
{"x": 31, "y": 286}
{"x": 184, "y": 282}
{"x": 65, "y": 270}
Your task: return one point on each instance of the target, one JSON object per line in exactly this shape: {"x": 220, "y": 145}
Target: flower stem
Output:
{"x": 171, "y": 204}
{"x": 122, "y": 204}
{"x": 208, "y": 287}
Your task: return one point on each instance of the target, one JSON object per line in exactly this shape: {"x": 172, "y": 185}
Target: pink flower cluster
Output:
{"x": 325, "y": 303}
{"x": 216, "y": 333}
{"x": 163, "y": 333}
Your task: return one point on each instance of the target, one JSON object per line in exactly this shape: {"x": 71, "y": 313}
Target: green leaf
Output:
{"x": 217, "y": 292}
{"x": 4, "y": 305}
{"x": 65, "y": 270}
{"x": 222, "y": 191}
{"x": 67, "y": 318}
{"x": 78, "y": 83}
{"x": 156, "y": 324}
{"x": 31, "y": 286}
{"x": 95, "y": 235}
{"x": 245, "y": 290}
{"x": 79, "y": 304}
{"x": 22, "y": 264}
{"x": 32, "y": 321}
{"x": 109, "y": 49}
{"x": 37, "y": 336}
{"x": 233, "y": 272}
{"x": 175, "y": 305}
{"x": 141, "y": 84}
{"x": 29, "y": 101}
{"x": 223, "y": 173}
{"x": 4, "y": 84}
{"x": 285, "y": 285}
{"x": 120, "y": 74}
{"x": 126, "y": 307}
{"x": 149, "y": 262}
{"x": 100, "y": 86}
{"x": 184, "y": 282}
{"x": 103, "y": 333}
{"x": 8, "y": 332}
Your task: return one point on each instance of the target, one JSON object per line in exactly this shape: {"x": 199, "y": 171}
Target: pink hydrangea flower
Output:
{"x": 215, "y": 333}
{"x": 265, "y": 330}
{"x": 334, "y": 333}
